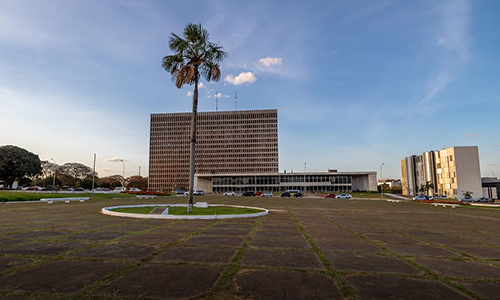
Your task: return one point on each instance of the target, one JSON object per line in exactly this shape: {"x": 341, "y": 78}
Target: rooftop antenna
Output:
{"x": 236, "y": 100}
{"x": 216, "y": 101}
{"x": 139, "y": 170}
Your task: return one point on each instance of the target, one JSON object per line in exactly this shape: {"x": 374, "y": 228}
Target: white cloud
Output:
{"x": 201, "y": 85}
{"x": 189, "y": 94}
{"x": 243, "y": 77}
{"x": 268, "y": 61}
{"x": 218, "y": 95}
{"x": 471, "y": 135}
{"x": 105, "y": 170}
{"x": 114, "y": 159}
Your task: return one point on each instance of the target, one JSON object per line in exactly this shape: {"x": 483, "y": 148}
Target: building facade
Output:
{"x": 491, "y": 187}
{"x": 241, "y": 142}
{"x": 332, "y": 181}
{"x": 451, "y": 172}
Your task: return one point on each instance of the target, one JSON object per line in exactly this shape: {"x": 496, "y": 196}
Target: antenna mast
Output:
{"x": 216, "y": 101}
{"x": 236, "y": 100}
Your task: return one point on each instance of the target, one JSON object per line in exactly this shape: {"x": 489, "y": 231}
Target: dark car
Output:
{"x": 298, "y": 195}
{"x": 248, "y": 194}
{"x": 330, "y": 196}
{"x": 285, "y": 194}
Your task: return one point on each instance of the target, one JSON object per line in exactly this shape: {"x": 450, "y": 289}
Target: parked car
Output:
{"x": 331, "y": 196}
{"x": 182, "y": 194}
{"x": 441, "y": 197}
{"x": 430, "y": 198}
{"x": 199, "y": 193}
{"x": 293, "y": 192}
{"x": 285, "y": 194}
{"x": 258, "y": 194}
{"x": 33, "y": 188}
{"x": 420, "y": 198}
{"x": 248, "y": 194}
{"x": 467, "y": 199}
{"x": 135, "y": 190}
{"x": 484, "y": 200}
{"x": 297, "y": 195}
{"x": 267, "y": 194}
{"x": 343, "y": 196}
{"x": 229, "y": 194}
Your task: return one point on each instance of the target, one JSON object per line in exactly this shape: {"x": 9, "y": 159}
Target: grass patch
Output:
{"x": 178, "y": 211}
{"x": 135, "y": 210}
{"x": 6, "y": 196}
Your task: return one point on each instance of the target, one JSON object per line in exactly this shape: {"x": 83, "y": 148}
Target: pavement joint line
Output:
{"x": 343, "y": 286}
{"x": 465, "y": 257}
{"x": 35, "y": 295}
{"x": 226, "y": 279}
{"x": 86, "y": 291}
{"x": 433, "y": 275}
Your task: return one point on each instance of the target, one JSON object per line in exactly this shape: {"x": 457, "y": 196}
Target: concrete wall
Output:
{"x": 204, "y": 184}
{"x": 468, "y": 171}
{"x": 366, "y": 182}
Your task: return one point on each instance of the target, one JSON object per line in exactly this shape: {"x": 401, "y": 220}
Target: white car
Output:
{"x": 267, "y": 195}
{"x": 229, "y": 194}
{"x": 183, "y": 194}
{"x": 135, "y": 190}
{"x": 441, "y": 197}
{"x": 343, "y": 196}
{"x": 420, "y": 198}
{"x": 198, "y": 193}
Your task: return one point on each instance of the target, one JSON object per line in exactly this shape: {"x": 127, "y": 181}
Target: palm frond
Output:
{"x": 194, "y": 55}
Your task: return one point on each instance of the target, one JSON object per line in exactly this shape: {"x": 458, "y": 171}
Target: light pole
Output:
{"x": 305, "y": 187}
{"x": 55, "y": 173}
{"x": 123, "y": 182}
{"x": 382, "y": 184}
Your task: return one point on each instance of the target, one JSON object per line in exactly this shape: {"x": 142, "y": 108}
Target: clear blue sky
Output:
{"x": 356, "y": 83}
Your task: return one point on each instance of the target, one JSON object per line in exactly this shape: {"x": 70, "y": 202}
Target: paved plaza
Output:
{"x": 304, "y": 249}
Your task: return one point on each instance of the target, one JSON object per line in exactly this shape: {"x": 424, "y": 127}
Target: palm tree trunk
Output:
{"x": 193, "y": 145}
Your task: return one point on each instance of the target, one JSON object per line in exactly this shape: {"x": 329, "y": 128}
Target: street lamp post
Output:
{"x": 382, "y": 184}
{"x": 55, "y": 174}
{"x": 305, "y": 187}
{"x": 123, "y": 181}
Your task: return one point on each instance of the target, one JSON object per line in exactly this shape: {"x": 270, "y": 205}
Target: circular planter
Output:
{"x": 109, "y": 211}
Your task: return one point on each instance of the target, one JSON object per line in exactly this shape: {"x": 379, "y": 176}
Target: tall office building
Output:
{"x": 240, "y": 142}
{"x": 451, "y": 171}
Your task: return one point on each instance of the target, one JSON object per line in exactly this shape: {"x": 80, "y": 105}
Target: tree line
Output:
{"x": 18, "y": 164}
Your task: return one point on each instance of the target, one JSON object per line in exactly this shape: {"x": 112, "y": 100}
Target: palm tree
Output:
{"x": 194, "y": 55}
{"x": 429, "y": 186}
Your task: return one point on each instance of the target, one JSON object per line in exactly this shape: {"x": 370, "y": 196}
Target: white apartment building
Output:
{"x": 452, "y": 172}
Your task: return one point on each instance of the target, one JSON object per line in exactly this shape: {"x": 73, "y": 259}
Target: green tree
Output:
{"x": 429, "y": 186}
{"x": 16, "y": 163}
{"x": 74, "y": 173}
{"x": 467, "y": 194}
{"x": 194, "y": 56}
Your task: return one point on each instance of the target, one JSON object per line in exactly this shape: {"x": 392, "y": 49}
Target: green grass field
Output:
{"x": 6, "y": 196}
{"x": 219, "y": 210}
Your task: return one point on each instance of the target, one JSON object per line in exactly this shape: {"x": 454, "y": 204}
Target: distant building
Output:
{"x": 241, "y": 142}
{"x": 451, "y": 172}
{"x": 331, "y": 181}
{"x": 391, "y": 183}
{"x": 491, "y": 187}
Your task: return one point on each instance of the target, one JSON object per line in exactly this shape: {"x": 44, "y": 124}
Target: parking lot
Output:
{"x": 304, "y": 249}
